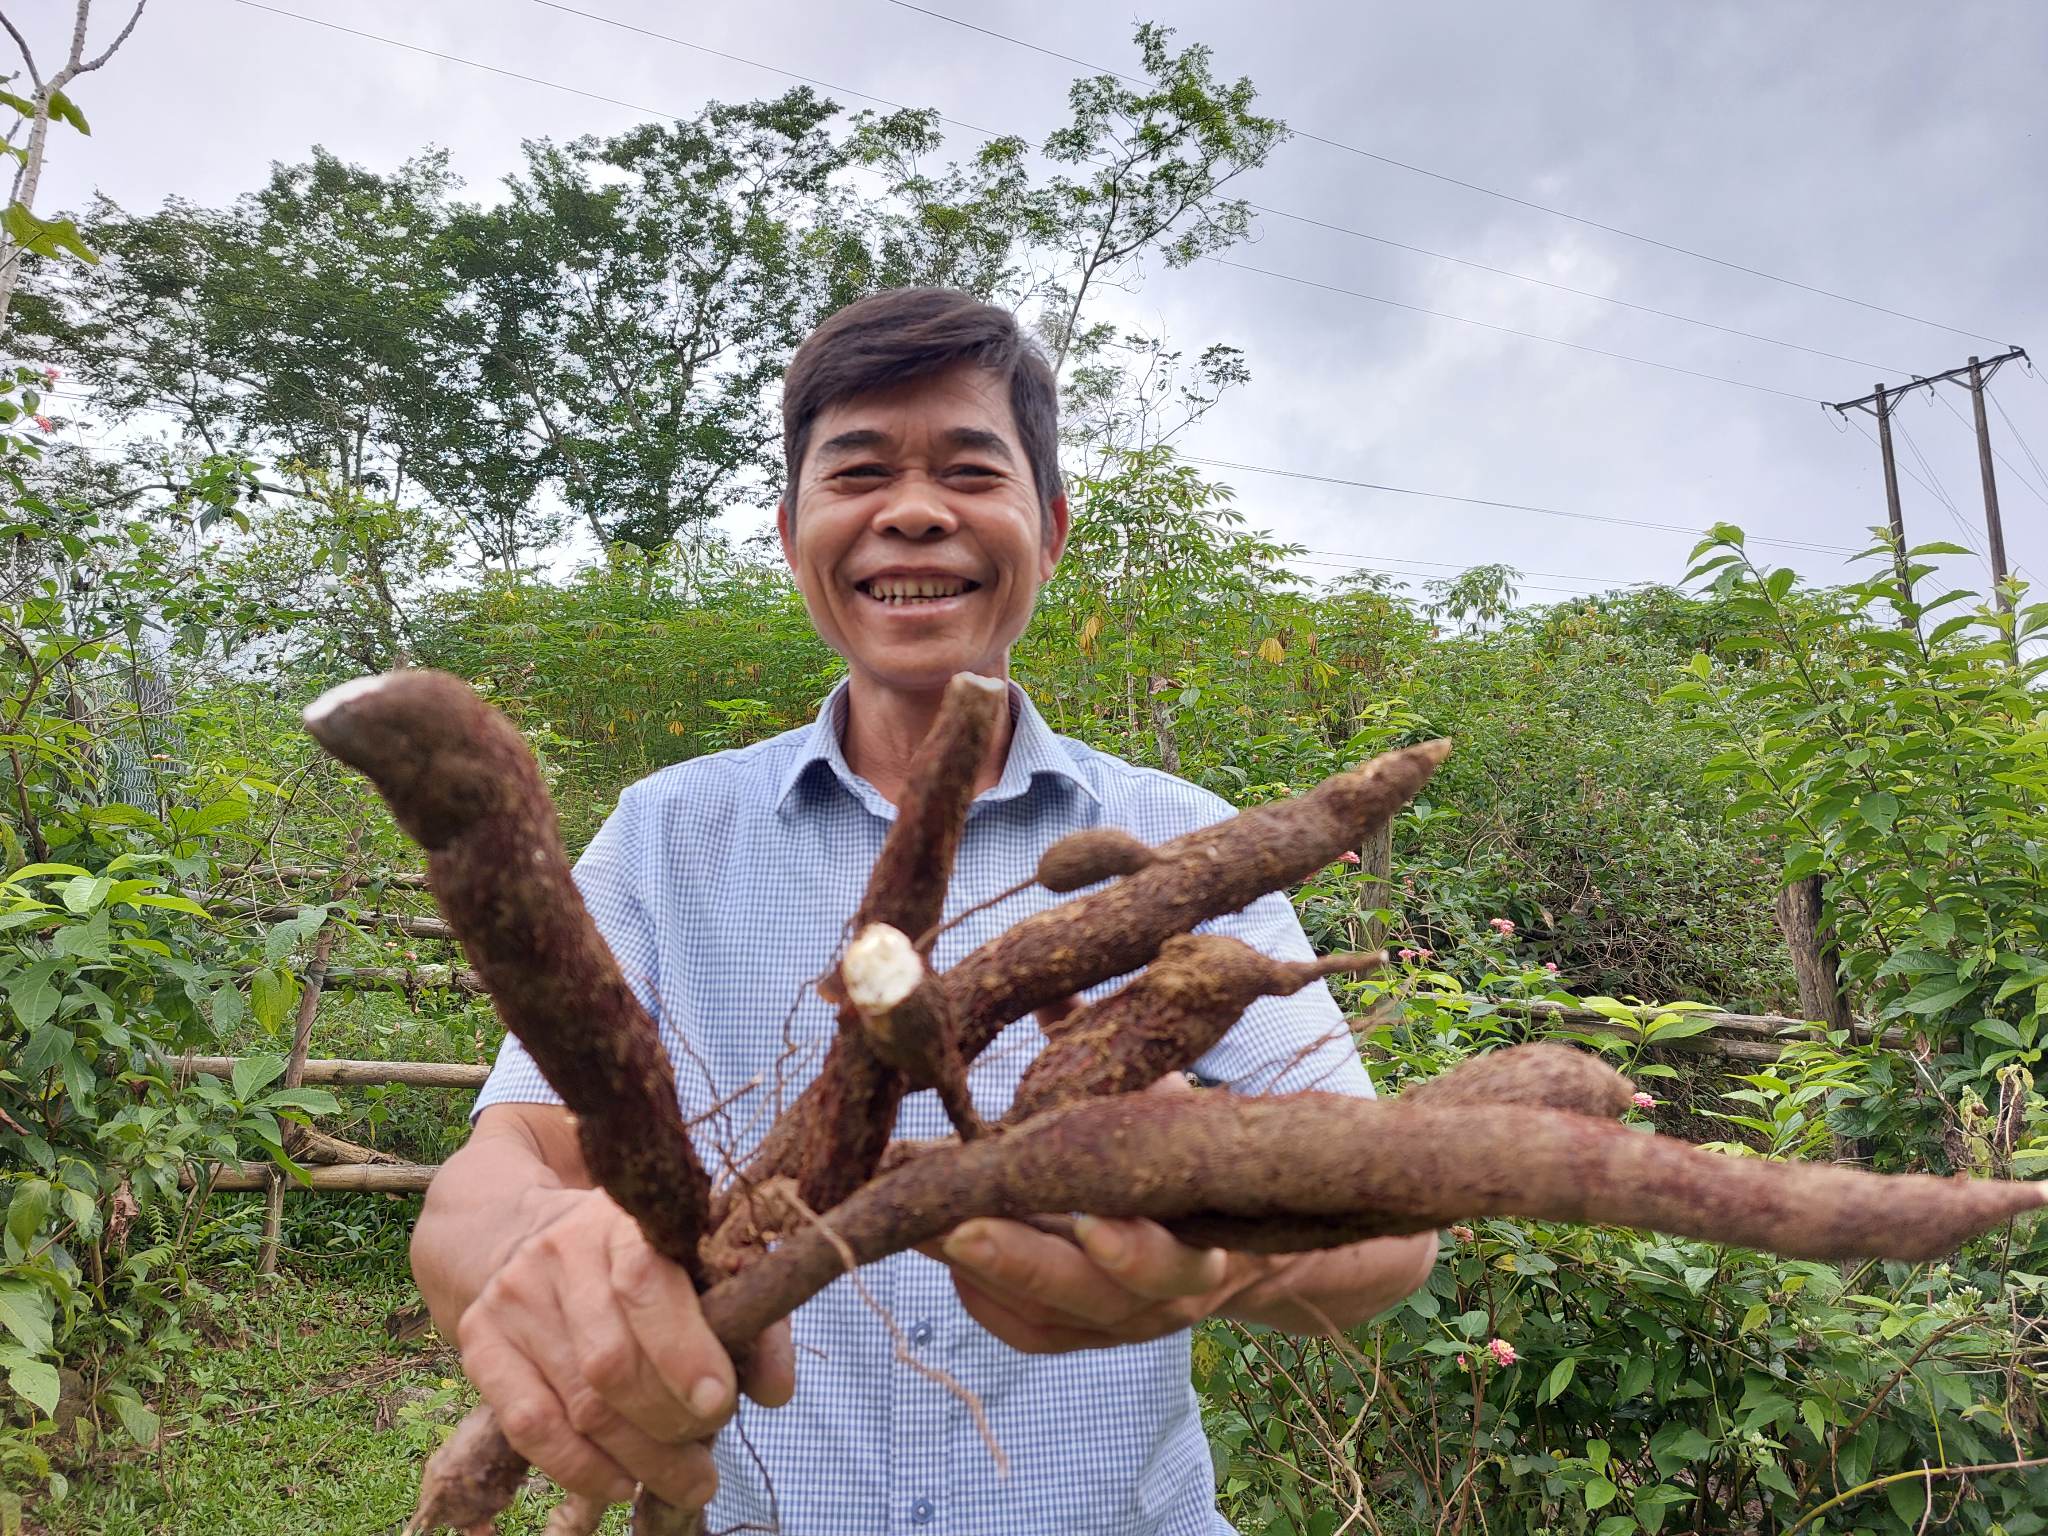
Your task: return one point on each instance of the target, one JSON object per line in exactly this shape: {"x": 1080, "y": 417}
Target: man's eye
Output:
{"x": 981, "y": 470}
{"x": 861, "y": 472}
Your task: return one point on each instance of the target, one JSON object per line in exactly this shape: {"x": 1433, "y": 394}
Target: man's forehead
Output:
{"x": 964, "y": 407}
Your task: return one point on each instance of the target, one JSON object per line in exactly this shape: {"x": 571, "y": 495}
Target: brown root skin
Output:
{"x": 472, "y": 1477}
{"x": 1091, "y": 856}
{"x": 1164, "y": 1021}
{"x": 461, "y": 781}
{"x": 1541, "y": 1075}
{"x": 836, "y": 1145}
{"x": 1079, "y": 944}
{"x": 1317, "y": 1169}
{"x": 1328, "y": 1168}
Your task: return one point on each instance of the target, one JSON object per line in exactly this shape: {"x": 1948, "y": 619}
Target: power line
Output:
{"x": 1576, "y": 346}
{"x": 2013, "y": 427}
{"x": 2012, "y": 468}
{"x": 1582, "y": 293}
{"x": 664, "y": 37}
{"x": 1941, "y": 493}
{"x": 1506, "y": 506}
{"x": 1455, "y": 565}
{"x": 1281, "y": 213}
{"x": 1520, "y": 586}
{"x": 1508, "y": 197}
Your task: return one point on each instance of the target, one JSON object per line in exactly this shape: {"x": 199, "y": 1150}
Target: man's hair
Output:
{"x": 901, "y": 334}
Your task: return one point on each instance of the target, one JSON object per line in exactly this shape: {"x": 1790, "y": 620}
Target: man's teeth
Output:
{"x": 907, "y": 589}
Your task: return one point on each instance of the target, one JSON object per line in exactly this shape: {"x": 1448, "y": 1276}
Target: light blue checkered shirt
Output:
{"x": 722, "y": 884}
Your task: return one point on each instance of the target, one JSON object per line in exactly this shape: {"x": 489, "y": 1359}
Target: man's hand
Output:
{"x": 590, "y": 1347}
{"x": 585, "y": 1341}
{"x": 1124, "y": 1282}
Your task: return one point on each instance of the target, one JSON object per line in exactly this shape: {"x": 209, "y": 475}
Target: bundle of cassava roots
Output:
{"x": 1530, "y": 1131}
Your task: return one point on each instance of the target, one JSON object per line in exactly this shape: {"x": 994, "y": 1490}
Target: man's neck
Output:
{"x": 885, "y": 727}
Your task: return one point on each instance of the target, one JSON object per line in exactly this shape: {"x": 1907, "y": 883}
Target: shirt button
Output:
{"x": 921, "y": 1512}
{"x": 922, "y": 1333}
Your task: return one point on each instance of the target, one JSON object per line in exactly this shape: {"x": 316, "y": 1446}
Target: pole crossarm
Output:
{"x": 1883, "y": 397}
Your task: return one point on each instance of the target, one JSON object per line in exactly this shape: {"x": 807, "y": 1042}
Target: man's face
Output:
{"x": 917, "y": 539}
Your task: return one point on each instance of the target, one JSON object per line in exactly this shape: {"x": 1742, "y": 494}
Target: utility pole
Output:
{"x": 1883, "y": 406}
{"x": 1883, "y": 402}
{"x": 1994, "y": 528}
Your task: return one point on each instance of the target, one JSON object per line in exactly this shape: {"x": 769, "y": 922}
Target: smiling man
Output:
{"x": 923, "y": 511}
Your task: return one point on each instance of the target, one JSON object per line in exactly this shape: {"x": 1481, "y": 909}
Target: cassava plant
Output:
{"x": 1531, "y": 1132}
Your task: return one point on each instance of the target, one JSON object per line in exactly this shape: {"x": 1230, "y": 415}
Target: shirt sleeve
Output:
{"x": 1281, "y": 1044}
{"x": 607, "y": 877}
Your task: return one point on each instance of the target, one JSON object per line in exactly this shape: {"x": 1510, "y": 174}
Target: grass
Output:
{"x": 305, "y": 1417}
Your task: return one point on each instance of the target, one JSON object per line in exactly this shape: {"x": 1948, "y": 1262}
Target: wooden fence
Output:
{"x": 330, "y": 1163}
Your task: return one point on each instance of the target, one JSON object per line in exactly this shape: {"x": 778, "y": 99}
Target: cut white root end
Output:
{"x": 881, "y": 968}
{"x": 340, "y": 694}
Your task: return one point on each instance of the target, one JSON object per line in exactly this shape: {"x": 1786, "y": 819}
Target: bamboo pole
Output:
{"x": 338, "y": 1072}
{"x": 386, "y": 1178}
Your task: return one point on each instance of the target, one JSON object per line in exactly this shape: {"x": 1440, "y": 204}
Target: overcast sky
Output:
{"x": 1895, "y": 154}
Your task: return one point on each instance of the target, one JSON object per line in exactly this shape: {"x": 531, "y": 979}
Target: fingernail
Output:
{"x": 707, "y": 1397}
{"x": 970, "y": 1248}
{"x": 1106, "y": 1244}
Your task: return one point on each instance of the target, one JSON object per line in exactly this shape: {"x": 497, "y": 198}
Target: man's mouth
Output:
{"x": 903, "y": 591}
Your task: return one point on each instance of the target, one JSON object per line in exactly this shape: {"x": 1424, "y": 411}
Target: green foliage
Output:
{"x": 1563, "y": 1379}
{"x": 1899, "y": 749}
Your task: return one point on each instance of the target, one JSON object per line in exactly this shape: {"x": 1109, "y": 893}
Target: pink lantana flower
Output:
{"x": 1644, "y": 1101}
{"x": 1347, "y": 857}
{"x": 1504, "y": 926}
{"x": 1463, "y": 1364}
{"x": 1501, "y": 1350}
{"x": 45, "y": 423}
{"x": 51, "y": 375}
{"x": 1425, "y": 954}
{"x": 1404, "y": 954}
{"x": 1550, "y": 966}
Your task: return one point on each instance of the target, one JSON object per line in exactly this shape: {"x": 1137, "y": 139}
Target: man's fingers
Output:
{"x": 1144, "y": 1257}
{"x": 770, "y": 1374}
{"x": 645, "y": 1347}
{"x": 1048, "y": 1274}
{"x": 541, "y": 1329}
{"x": 533, "y": 1417}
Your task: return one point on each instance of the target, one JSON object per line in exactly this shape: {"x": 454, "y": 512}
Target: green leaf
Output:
{"x": 1615, "y": 1525}
{"x": 25, "y": 1212}
{"x": 1636, "y": 1376}
{"x": 141, "y": 1424}
{"x": 1908, "y": 1499}
{"x": 314, "y": 1101}
{"x": 1559, "y": 1378}
{"x": 37, "y": 1381}
{"x": 34, "y": 993}
{"x": 64, "y": 110}
{"x": 1936, "y": 995}
{"x": 1600, "y": 1493}
{"x": 1814, "y": 1415}
{"x": 272, "y": 992}
{"x": 227, "y": 1009}
{"x": 1879, "y": 810}
{"x": 253, "y": 1074}
{"x": 25, "y": 1311}
{"x": 82, "y": 893}
{"x": 45, "y": 237}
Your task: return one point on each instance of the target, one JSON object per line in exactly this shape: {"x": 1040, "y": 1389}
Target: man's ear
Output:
{"x": 1060, "y": 523}
{"x": 785, "y": 529}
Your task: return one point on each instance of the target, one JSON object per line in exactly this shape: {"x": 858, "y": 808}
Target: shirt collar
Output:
{"x": 1034, "y": 751}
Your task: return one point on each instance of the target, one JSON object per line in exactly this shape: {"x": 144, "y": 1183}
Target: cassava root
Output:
{"x": 1524, "y": 1132}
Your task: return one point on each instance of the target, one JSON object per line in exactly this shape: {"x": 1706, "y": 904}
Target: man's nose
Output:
{"x": 916, "y": 511}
